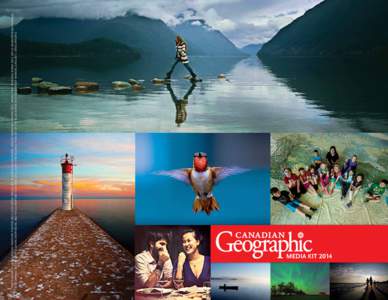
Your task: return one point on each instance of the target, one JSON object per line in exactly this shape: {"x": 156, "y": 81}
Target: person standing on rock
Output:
{"x": 182, "y": 57}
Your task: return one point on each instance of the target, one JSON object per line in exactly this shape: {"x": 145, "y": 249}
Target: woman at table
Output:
{"x": 192, "y": 266}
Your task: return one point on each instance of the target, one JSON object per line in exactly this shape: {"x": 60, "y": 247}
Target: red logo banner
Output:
{"x": 280, "y": 243}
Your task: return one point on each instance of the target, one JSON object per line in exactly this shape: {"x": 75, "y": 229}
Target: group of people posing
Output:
{"x": 154, "y": 266}
{"x": 323, "y": 177}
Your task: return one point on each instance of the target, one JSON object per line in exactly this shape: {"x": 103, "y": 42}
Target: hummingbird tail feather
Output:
{"x": 214, "y": 203}
{"x": 197, "y": 205}
{"x": 210, "y": 204}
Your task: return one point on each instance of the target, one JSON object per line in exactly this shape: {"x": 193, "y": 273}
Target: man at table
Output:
{"x": 154, "y": 263}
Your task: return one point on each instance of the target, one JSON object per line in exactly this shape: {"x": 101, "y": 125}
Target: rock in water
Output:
{"x": 120, "y": 84}
{"x": 36, "y": 79}
{"x": 87, "y": 86}
{"x": 133, "y": 81}
{"x": 59, "y": 90}
{"x": 44, "y": 86}
{"x": 221, "y": 76}
{"x": 24, "y": 90}
{"x": 159, "y": 81}
{"x": 82, "y": 89}
{"x": 194, "y": 79}
{"x": 137, "y": 87}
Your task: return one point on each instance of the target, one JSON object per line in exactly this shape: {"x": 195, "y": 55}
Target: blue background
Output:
{"x": 243, "y": 199}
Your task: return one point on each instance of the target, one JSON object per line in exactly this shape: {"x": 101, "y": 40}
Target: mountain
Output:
{"x": 97, "y": 54}
{"x": 148, "y": 35}
{"x": 205, "y": 40}
{"x": 251, "y": 49}
{"x": 334, "y": 28}
{"x": 96, "y": 48}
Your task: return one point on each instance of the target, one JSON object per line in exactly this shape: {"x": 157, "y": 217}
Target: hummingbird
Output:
{"x": 202, "y": 179}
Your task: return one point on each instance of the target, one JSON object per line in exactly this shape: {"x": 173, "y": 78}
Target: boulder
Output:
{"x": 24, "y": 90}
{"x": 120, "y": 84}
{"x": 36, "y": 80}
{"x": 137, "y": 87}
{"x": 193, "y": 79}
{"x": 133, "y": 81}
{"x": 159, "y": 81}
{"x": 82, "y": 89}
{"x": 86, "y": 86}
{"x": 44, "y": 86}
{"x": 59, "y": 90}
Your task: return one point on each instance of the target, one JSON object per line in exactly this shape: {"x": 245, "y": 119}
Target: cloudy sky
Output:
{"x": 104, "y": 168}
{"x": 242, "y": 21}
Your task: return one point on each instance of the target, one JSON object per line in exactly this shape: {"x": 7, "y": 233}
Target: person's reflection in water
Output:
{"x": 180, "y": 104}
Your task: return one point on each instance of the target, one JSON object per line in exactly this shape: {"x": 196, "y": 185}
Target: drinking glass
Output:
{"x": 178, "y": 283}
{"x": 207, "y": 285}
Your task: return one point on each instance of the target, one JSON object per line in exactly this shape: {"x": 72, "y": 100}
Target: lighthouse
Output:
{"x": 67, "y": 182}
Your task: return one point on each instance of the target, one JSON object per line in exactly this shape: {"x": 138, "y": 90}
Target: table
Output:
{"x": 194, "y": 293}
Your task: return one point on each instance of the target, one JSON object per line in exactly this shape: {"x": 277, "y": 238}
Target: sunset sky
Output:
{"x": 104, "y": 165}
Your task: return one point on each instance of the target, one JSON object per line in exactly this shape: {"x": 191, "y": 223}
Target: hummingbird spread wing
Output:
{"x": 221, "y": 173}
{"x": 178, "y": 174}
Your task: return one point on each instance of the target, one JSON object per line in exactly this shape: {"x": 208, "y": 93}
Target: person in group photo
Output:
{"x": 317, "y": 159}
{"x": 355, "y": 187}
{"x": 313, "y": 177}
{"x": 335, "y": 178}
{"x": 324, "y": 178}
{"x": 305, "y": 179}
{"x": 346, "y": 181}
{"x": 376, "y": 191}
{"x": 332, "y": 157}
{"x": 293, "y": 183}
{"x": 350, "y": 164}
{"x": 192, "y": 267}
{"x": 291, "y": 203}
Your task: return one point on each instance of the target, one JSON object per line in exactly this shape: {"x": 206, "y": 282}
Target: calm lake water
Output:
{"x": 269, "y": 95}
{"x": 248, "y": 290}
{"x": 350, "y": 291}
{"x": 116, "y": 216}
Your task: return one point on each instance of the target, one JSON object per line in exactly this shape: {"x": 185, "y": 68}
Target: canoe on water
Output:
{"x": 228, "y": 287}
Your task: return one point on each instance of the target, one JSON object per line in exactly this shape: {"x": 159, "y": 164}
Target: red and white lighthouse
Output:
{"x": 67, "y": 182}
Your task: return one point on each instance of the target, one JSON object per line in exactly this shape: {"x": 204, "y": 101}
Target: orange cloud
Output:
{"x": 81, "y": 188}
